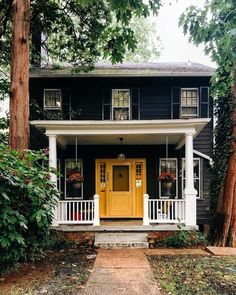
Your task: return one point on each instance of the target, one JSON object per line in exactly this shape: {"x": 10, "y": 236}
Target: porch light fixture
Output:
{"x": 121, "y": 156}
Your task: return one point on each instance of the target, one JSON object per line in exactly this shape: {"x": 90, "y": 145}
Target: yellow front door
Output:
{"x": 121, "y": 185}
{"x": 120, "y": 195}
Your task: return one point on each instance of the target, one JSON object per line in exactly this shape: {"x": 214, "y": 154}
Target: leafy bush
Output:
{"x": 27, "y": 199}
{"x": 184, "y": 238}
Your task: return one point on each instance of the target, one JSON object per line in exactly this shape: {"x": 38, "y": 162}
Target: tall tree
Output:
{"x": 75, "y": 31}
{"x": 148, "y": 44}
{"x": 19, "y": 92}
{"x": 215, "y": 26}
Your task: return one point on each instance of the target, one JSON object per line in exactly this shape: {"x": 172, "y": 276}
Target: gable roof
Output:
{"x": 150, "y": 69}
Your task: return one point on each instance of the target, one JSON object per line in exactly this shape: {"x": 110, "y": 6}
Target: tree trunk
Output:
{"x": 19, "y": 92}
{"x": 224, "y": 223}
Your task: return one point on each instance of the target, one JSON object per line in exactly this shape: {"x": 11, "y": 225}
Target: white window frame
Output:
{"x": 181, "y": 107}
{"x": 176, "y": 180}
{"x": 112, "y": 107}
{"x": 65, "y": 181}
{"x": 44, "y": 99}
{"x": 197, "y": 178}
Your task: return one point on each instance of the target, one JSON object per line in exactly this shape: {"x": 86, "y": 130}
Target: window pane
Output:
{"x": 120, "y": 98}
{"x": 120, "y": 178}
{"x": 169, "y": 166}
{"x": 120, "y": 114}
{"x": 73, "y": 188}
{"x": 52, "y": 99}
{"x": 196, "y": 175}
{"x": 189, "y": 102}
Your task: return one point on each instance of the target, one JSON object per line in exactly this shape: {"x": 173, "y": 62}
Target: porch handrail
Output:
{"x": 163, "y": 211}
{"x": 79, "y": 211}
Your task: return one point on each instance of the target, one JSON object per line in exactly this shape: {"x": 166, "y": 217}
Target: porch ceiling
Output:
{"x": 141, "y": 132}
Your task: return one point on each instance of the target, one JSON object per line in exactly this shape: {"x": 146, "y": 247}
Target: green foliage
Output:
{"x": 184, "y": 238}
{"x": 148, "y": 46}
{"x": 38, "y": 113}
{"x": 215, "y": 27}
{"x": 77, "y": 31}
{"x": 27, "y": 198}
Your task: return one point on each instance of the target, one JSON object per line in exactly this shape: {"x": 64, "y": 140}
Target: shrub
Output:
{"x": 184, "y": 238}
{"x": 27, "y": 199}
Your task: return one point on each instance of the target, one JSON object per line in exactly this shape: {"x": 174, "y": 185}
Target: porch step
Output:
{"x": 121, "y": 240}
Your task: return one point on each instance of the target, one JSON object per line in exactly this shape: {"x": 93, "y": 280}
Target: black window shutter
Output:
{"x": 66, "y": 103}
{"x": 135, "y": 103}
{"x": 204, "y": 102}
{"x": 175, "y": 102}
{"x": 106, "y": 104}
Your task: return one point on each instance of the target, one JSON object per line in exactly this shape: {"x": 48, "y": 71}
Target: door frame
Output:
{"x": 136, "y": 192}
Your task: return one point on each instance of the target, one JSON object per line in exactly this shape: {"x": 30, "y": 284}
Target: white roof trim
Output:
{"x": 123, "y": 74}
{"x": 203, "y": 156}
{"x": 132, "y": 127}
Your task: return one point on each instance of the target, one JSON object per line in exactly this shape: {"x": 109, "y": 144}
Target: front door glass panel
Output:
{"x": 121, "y": 178}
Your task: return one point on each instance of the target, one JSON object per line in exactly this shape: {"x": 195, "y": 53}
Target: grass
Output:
{"x": 195, "y": 275}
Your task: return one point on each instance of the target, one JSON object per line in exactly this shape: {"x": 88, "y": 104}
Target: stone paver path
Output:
{"x": 222, "y": 251}
{"x": 121, "y": 271}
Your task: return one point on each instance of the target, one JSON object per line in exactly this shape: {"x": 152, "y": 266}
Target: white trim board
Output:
{"x": 202, "y": 155}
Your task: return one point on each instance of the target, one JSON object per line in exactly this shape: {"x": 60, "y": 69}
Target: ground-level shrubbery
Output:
{"x": 27, "y": 198}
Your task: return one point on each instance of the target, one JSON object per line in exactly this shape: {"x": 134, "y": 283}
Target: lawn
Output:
{"x": 195, "y": 275}
{"x": 60, "y": 272}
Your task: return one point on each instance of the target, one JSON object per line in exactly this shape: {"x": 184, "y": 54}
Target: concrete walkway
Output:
{"x": 121, "y": 271}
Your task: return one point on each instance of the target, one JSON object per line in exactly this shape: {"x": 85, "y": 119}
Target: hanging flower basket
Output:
{"x": 166, "y": 177}
{"x": 76, "y": 179}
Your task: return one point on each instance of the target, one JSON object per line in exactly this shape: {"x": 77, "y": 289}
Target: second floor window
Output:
{"x": 189, "y": 102}
{"x": 120, "y": 104}
{"x": 52, "y": 99}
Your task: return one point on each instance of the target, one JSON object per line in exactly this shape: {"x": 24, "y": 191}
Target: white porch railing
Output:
{"x": 78, "y": 212}
{"x": 163, "y": 211}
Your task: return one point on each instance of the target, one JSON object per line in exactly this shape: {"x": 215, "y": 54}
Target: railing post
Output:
{"x": 96, "y": 221}
{"x": 145, "y": 210}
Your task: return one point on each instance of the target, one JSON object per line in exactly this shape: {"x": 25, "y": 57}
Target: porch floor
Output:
{"x": 119, "y": 225}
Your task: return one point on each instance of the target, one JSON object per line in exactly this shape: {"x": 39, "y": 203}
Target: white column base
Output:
{"x": 190, "y": 207}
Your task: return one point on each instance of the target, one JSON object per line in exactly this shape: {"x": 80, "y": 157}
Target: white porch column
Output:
{"x": 96, "y": 221}
{"x": 145, "y": 210}
{"x": 53, "y": 156}
{"x": 189, "y": 191}
{"x": 53, "y": 164}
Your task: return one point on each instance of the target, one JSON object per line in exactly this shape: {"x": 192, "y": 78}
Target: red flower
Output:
{"x": 166, "y": 177}
{"x": 76, "y": 177}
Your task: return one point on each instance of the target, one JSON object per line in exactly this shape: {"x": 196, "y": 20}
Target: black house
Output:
{"x": 137, "y": 136}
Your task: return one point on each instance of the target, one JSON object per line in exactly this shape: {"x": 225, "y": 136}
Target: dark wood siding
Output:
{"x": 87, "y": 93}
{"x": 155, "y": 103}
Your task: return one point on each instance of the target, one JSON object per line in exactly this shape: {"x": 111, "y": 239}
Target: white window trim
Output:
{"x": 176, "y": 173}
{"x": 112, "y": 107}
{"x": 44, "y": 99}
{"x": 199, "y": 178}
{"x": 65, "y": 181}
{"x": 189, "y": 115}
